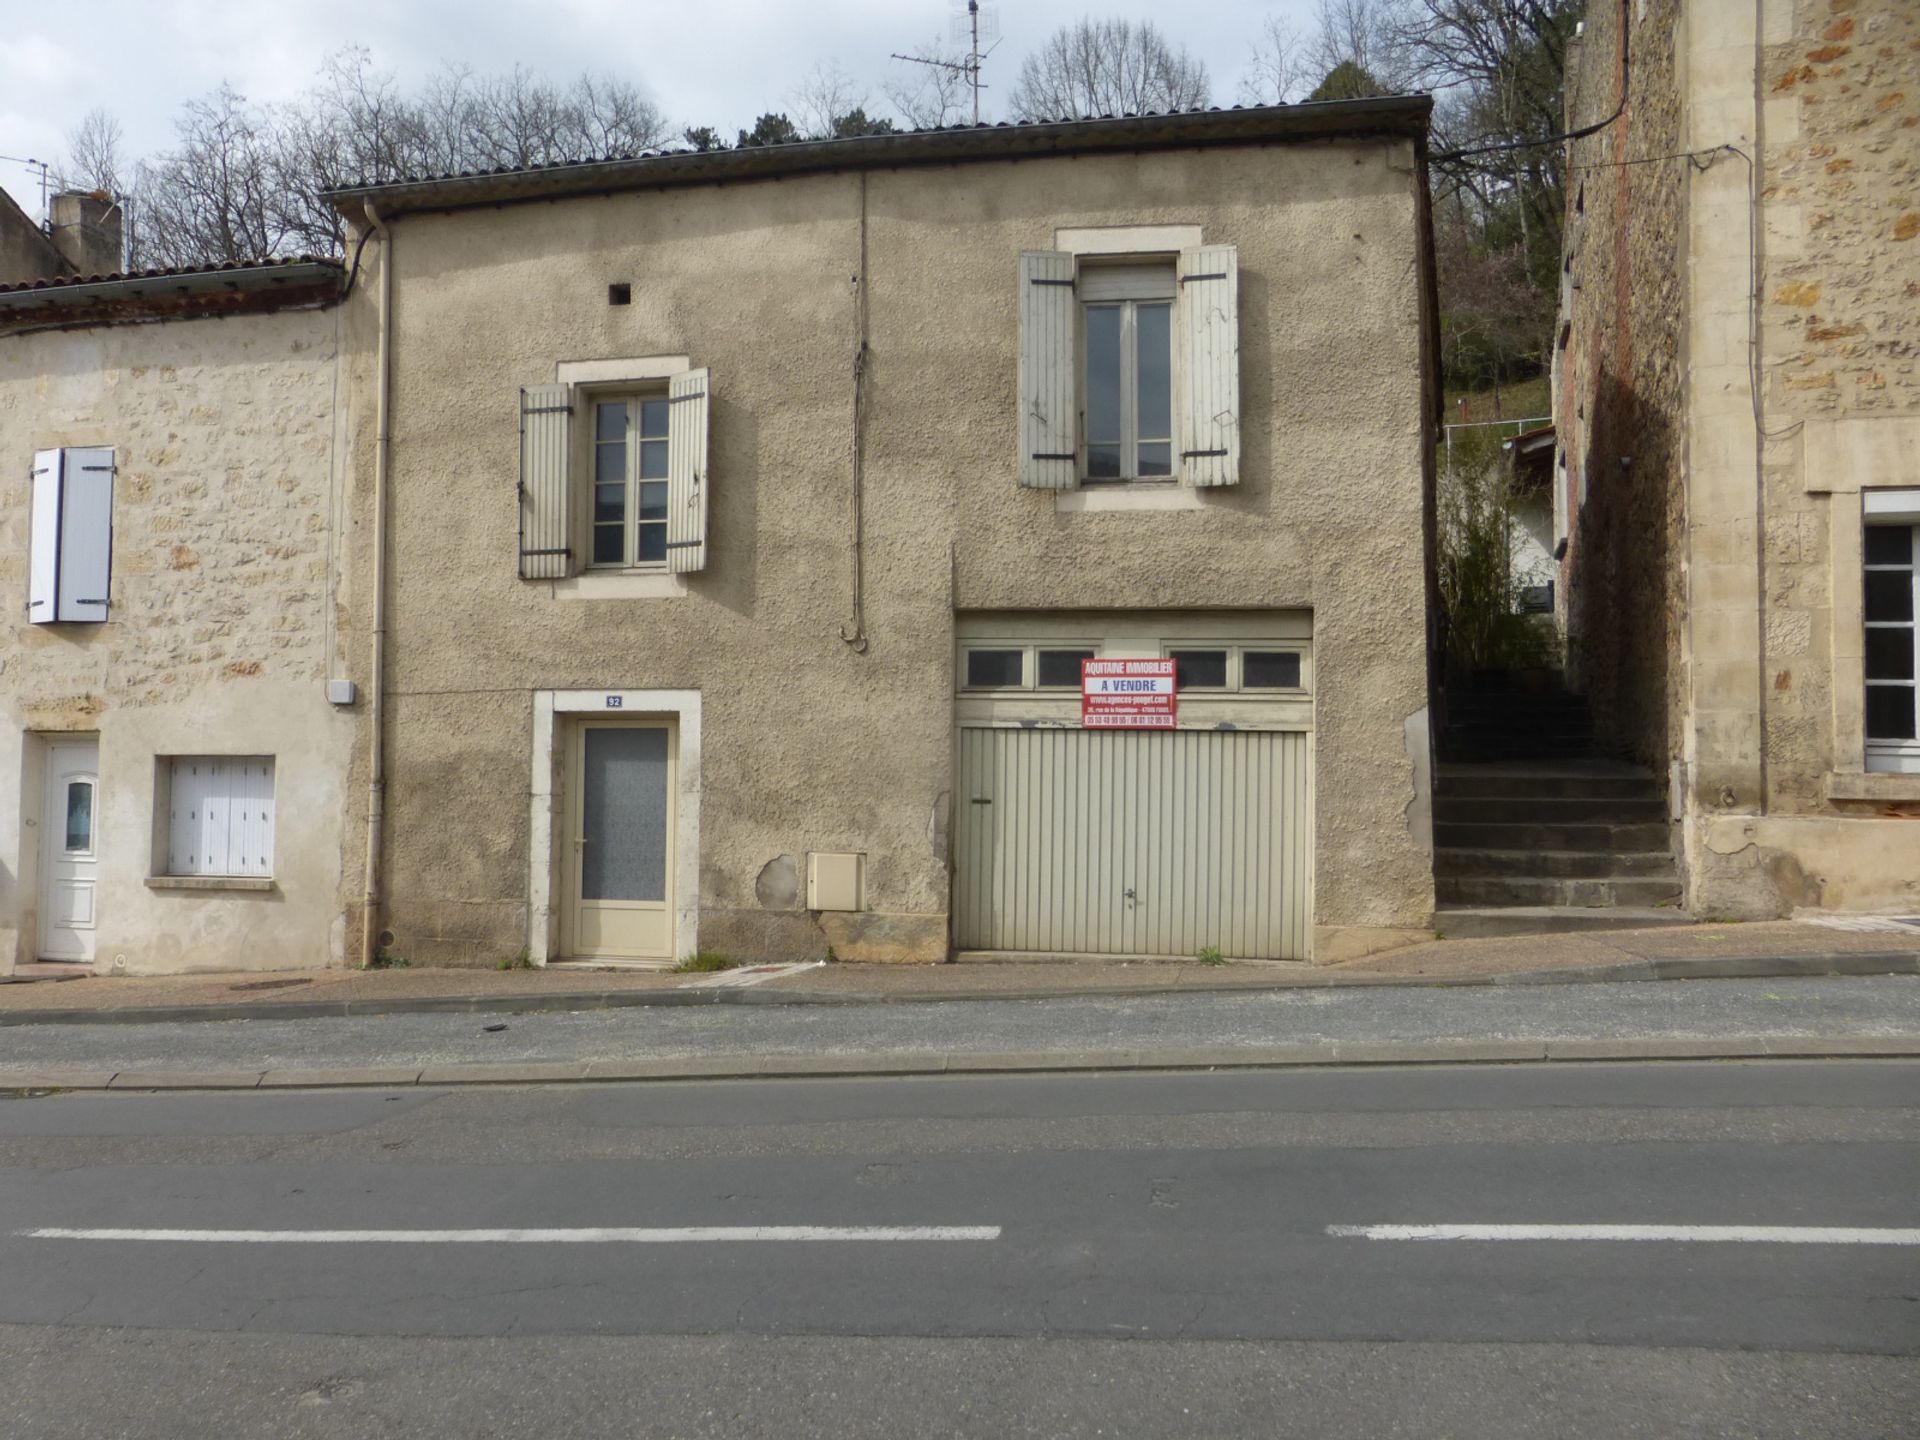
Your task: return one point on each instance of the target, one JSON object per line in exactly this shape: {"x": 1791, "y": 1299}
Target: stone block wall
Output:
{"x": 1618, "y": 373}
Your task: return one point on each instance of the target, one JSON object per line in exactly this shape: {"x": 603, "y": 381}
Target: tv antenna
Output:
{"x": 973, "y": 25}
{"x": 39, "y": 165}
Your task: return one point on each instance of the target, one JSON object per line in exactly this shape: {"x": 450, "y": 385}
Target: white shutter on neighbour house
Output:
{"x": 70, "y": 550}
{"x": 1049, "y": 454}
{"x": 546, "y": 550}
{"x": 1210, "y": 360}
{"x": 688, "y": 407}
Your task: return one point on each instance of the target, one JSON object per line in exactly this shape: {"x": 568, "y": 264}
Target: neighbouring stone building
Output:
{"x": 1738, "y": 408}
{"x": 172, "y": 774}
{"x": 749, "y": 516}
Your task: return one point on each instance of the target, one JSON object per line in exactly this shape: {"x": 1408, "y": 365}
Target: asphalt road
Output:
{"x": 1857, "y": 1006}
{"x": 1151, "y": 1255}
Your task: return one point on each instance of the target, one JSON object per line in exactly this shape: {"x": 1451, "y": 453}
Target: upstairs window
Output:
{"x": 70, "y": 549}
{"x": 1129, "y": 369}
{"x": 1126, "y": 325}
{"x": 630, "y": 482}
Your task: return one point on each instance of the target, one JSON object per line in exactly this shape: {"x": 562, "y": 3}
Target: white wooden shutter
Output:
{"x": 688, "y": 408}
{"x": 220, "y": 816}
{"x": 43, "y": 545}
{"x": 1049, "y": 454}
{"x": 86, "y": 534}
{"x": 1210, "y": 360}
{"x": 546, "y": 536}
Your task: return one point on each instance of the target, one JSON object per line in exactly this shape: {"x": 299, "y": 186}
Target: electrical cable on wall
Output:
{"x": 854, "y": 632}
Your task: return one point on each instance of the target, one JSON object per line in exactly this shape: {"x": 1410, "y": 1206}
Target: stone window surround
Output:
{"x": 545, "y": 810}
{"x": 1845, "y": 459}
{"x": 608, "y": 376}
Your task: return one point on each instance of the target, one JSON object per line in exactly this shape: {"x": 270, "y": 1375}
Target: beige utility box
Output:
{"x": 836, "y": 881}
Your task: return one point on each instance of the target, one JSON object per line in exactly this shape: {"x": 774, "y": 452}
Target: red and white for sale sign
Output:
{"x": 1127, "y": 694}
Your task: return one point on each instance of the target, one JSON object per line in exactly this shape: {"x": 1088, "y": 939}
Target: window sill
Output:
{"x": 1128, "y": 495}
{"x": 1873, "y": 785}
{"x": 620, "y": 585}
{"x": 255, "y": 883}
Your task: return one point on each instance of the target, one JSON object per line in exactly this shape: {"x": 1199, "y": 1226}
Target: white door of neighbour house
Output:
{"x": 620, "y": 851}
{"x": 69, "y": 855}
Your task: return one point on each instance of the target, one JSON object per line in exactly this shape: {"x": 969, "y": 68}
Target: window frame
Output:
{"x": 1236, "y": 652}
{"x": 1891, "y": 755}
{"x": 1126, "y": 282}
{"x": 1029, "y": 665}
{"x": 166, "y": 869}
{"x": 636, "y": 397}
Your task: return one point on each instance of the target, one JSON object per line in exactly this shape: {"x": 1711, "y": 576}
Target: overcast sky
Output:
{"x": 707, "y": 62}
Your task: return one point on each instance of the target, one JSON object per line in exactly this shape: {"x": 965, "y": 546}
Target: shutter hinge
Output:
{"x": 549, "y": 410}
{"x": 685, "y": 544}
{"x": 110, "y": 469}
{"x": 1212, "y": 275}
{"x": 1039, "y": 280}
{"x": 1040, "y": 456}
{"x": 691, "y": 395}
{"x": 563, "y": 550}
{"x": 83, "y": 600}
{"x": 1199, "y": 454}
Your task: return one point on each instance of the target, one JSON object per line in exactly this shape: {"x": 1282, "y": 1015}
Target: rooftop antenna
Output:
{"x": 42, "y": 167}
{"x": 973, "y": 25}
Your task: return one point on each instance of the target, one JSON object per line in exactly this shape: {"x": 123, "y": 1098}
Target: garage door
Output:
{"x": 1134, "y": 842}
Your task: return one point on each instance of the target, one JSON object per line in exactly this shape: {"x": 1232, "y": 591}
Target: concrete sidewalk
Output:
{"x": 1772, "y": 949}
{"x": 1866, "y": 1017}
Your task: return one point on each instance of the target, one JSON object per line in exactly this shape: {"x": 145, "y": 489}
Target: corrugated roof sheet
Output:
{"x": 66, "y": 282}
{"x": 1395, "y": 115}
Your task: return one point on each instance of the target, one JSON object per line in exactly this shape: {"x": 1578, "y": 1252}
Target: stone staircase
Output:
{"x": 1534, "y": 834}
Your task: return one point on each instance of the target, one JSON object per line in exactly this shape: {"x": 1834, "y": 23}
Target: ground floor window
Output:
{"x": 219, "y": 814}
{"x": 1892, "y": 600}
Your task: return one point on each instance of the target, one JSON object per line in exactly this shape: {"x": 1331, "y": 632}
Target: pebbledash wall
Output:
{"x": 222, "y": 624}
{"x": 822, "y": 727}
{"x": 1797, "y": 196}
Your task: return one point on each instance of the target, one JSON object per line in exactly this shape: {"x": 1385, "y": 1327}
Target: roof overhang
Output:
{"x": 1386, "y": 117}
{"x": 161, "y": 287}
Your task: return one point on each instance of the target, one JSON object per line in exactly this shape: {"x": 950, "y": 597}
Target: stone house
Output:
{"x": 1738, "y": 409}
{"x": 171, "y": 770}
{"x": 740, "y": 523}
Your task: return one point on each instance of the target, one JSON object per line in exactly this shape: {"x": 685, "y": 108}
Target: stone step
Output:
{"x": 1481, "y": 835}
{"x": 1547, "y": 810}
{"x": 1525, "y": 891}
{"x": 1491, "y": 783}
{"x": 1462, "y": 922}
{"x": 1564, "y": 864}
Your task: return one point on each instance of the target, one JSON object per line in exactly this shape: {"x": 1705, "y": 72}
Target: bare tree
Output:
{"x": 819, "y": 101}
{"x": 1371, "y": 34}
{"x": 213, "y": 200}
{"x": 1279, "y": 70}
{"x": 932, "y": 91}
{"x": 1107, "y": 67}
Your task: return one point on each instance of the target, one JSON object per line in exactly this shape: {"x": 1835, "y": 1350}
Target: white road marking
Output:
{"x": 1714, "y": 1234}
{"x": 751, "y": 975}
{"x": 683, "y": 1235}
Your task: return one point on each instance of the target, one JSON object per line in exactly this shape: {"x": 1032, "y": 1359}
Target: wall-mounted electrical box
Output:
{"x": 836, "y": 881}
{"x": 340, "y": 692}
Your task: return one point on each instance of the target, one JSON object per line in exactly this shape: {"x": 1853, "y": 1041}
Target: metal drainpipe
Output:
{"x": 376, "y": 680}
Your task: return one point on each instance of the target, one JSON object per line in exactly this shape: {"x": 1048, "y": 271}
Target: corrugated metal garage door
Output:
{"x": 1209, "y": 830}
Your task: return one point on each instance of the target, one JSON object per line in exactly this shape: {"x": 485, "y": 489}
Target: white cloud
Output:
{"x": 717, "y": 62}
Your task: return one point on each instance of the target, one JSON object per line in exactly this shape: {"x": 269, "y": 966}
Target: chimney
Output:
{"x": 87, "y": 229}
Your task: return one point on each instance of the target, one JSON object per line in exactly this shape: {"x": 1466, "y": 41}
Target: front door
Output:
{"x": 620, "y": 825}
{"x": 69, "y": 857}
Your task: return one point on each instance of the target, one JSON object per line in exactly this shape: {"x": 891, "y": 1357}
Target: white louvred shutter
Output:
{"x": 1210, "y": 356}
{"x": 1049, "y": 455}
{"x": 688, "y": 408}
{"x": 43, "y": 559}
{"x": 86, "y": 534}
{"x": 546, "y": 549}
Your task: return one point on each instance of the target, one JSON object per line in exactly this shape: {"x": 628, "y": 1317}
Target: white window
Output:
{"x": 70, "y": 552}
{"x": 1126, "y": 372}
{"x": 1892, "y": 601}
{"x": 629, "y": 514}
{"x": 628, "y": 493}
{"x": 219, "y": 815}
{"x": 1237, "y": 668}
{"x": 1129, "y": 368}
